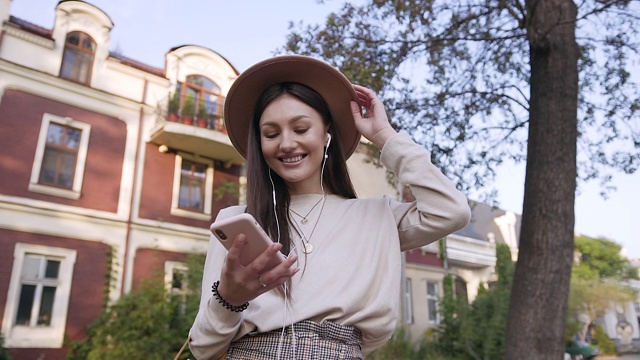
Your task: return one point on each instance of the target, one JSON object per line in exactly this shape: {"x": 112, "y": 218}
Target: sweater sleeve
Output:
{"x": 215, "y": 326}
{"x": 439, "y": 208}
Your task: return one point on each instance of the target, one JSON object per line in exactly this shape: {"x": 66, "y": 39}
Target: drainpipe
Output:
{"x": 125, "y": 262}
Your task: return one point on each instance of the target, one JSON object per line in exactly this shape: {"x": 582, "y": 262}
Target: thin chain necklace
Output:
{"x": 304, "y": 219}
{"x": 306, "y": 241}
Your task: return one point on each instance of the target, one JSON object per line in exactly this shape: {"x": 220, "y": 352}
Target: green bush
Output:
{"x": 147, "y": 323}
{"x": 398, "y": 347}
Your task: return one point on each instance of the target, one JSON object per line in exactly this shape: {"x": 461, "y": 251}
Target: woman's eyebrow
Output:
{"x": 291, "y": 121}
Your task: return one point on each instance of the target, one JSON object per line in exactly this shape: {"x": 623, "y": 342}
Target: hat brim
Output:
{"x": 326, "y": 80}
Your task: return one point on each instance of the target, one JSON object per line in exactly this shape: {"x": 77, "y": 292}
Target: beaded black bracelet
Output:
{"x": 224, "y": 303}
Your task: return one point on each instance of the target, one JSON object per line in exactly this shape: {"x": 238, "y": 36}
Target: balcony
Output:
{"x": 470, "y": 252}
{"x": 467, "y": 252}
{"x": 199, "y": 132}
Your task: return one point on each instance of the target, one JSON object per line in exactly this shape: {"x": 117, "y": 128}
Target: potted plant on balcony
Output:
{"x": 202, "y": 117}
{"x": 173, "y": 107}
{"x": 188, "y": 109}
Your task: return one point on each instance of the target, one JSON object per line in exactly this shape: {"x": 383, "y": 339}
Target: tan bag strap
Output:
{"x": 186, "y": 342}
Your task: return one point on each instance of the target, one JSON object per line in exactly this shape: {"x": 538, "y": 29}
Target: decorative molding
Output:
{"x": 29, "y": 37}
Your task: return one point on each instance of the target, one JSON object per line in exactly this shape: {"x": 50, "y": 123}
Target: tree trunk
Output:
{"x": 538, "y": 306}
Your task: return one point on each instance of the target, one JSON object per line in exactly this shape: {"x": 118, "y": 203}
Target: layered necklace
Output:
{"x": 305, "y": 219}
{"x": 306, "y": 240}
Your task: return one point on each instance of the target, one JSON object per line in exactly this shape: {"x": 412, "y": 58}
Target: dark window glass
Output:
{"x": 46, "y": 305}
{"x": 52, "y": 270}
{"x": 177, "y": 280}
{"x": 27, "y": 294}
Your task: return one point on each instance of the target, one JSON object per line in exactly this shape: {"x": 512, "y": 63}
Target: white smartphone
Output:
{"x": 257, "y": 239}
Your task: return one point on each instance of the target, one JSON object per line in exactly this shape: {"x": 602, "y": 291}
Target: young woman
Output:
{"x": 296, "y": 120}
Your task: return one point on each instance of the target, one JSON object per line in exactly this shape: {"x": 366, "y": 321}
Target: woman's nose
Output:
{"x": 288, "y": 143}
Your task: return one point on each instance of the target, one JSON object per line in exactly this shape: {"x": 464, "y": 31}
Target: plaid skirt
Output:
{"x": 307, "y": 340}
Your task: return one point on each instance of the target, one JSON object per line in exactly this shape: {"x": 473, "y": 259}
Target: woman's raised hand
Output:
{"x": 240, "y": 283}
{"x": 374, "y": 125}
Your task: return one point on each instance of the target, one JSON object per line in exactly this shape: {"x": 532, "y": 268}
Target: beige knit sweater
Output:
{"x": 353, "y": 275}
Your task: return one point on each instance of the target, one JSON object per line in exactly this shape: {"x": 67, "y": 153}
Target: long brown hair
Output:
{"x": 259, "y": 190}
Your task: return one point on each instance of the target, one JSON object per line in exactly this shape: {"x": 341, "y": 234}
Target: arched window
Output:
{"x": 77, "y": 60}
{"x": 206, "y": 93}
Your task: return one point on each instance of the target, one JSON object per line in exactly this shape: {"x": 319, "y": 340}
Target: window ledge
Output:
{"x": 190, "y": 214}
{"x": 28, "y": 337}
{"x": 50, "y": 190}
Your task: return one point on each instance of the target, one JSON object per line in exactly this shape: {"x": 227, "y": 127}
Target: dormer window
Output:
{"x": 77, "y": 61}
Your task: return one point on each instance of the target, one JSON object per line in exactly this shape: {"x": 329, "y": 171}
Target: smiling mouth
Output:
{"x": 293, "y": 159}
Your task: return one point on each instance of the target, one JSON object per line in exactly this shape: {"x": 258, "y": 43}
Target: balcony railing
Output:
{"x": 205, "y": 135}
{"x": 471, "y": 252}
{"x": 466, "y": 251}
{"x": 177, "y": 110}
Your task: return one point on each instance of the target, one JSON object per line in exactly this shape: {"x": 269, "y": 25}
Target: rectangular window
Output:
{"x": 193, "y": 187}
{"x": 408, "y": 302}
{"x": 61, "y": 153}
{"x": 175, "y": 278}
{"x": 39, "y": 288}
{"x": 433, "y": 306}
{"x": 39, "y": 282}
{"x": 60, "y": 156}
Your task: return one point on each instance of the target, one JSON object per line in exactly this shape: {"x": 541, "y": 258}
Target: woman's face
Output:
{"x": 293, "y": 137}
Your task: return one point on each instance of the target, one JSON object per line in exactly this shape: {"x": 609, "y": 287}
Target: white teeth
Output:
{"x": 292, "y": 159}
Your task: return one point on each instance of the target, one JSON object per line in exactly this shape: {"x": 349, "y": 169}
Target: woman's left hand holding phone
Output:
{"x": 242, "y": 283}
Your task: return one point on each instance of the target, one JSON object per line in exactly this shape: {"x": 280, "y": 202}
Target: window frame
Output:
{"x": 201, "y": 92}
{"x": 83, "y": 147}
{"x": 20, "y": 336}
{"x": 433, "y": 320}
{"x": 208, "y": 188}
{"x": 78, "y": 49}
{"x": 169, "y": 267}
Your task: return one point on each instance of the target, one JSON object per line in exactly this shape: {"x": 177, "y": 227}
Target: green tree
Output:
{"x": 597, "y": 280}
{"x": 477, "y": 80}
{"x": 489, "y": 312}
{"x": 600, "y": 258}
{"x": 146, "y": 323}
{"x": 449, "y": 340}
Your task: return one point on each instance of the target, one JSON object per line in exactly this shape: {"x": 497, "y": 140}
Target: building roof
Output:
{"x": 30, "y": 27}
{"x": 48, "y": 34}
{"x": 483, "y": 222}
{"x": 137, "y": 64}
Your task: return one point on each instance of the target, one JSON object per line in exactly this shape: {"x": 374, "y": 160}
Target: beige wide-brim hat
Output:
{"x": 320, "y": 76}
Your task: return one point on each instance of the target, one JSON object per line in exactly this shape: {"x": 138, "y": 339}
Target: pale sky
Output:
{"x": 247, "y": 31}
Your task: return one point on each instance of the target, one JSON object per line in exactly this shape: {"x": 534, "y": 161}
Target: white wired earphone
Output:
{"x": 286, "y": 302}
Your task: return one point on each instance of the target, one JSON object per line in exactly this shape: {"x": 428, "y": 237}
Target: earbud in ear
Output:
{"x": 326, "y": 147}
